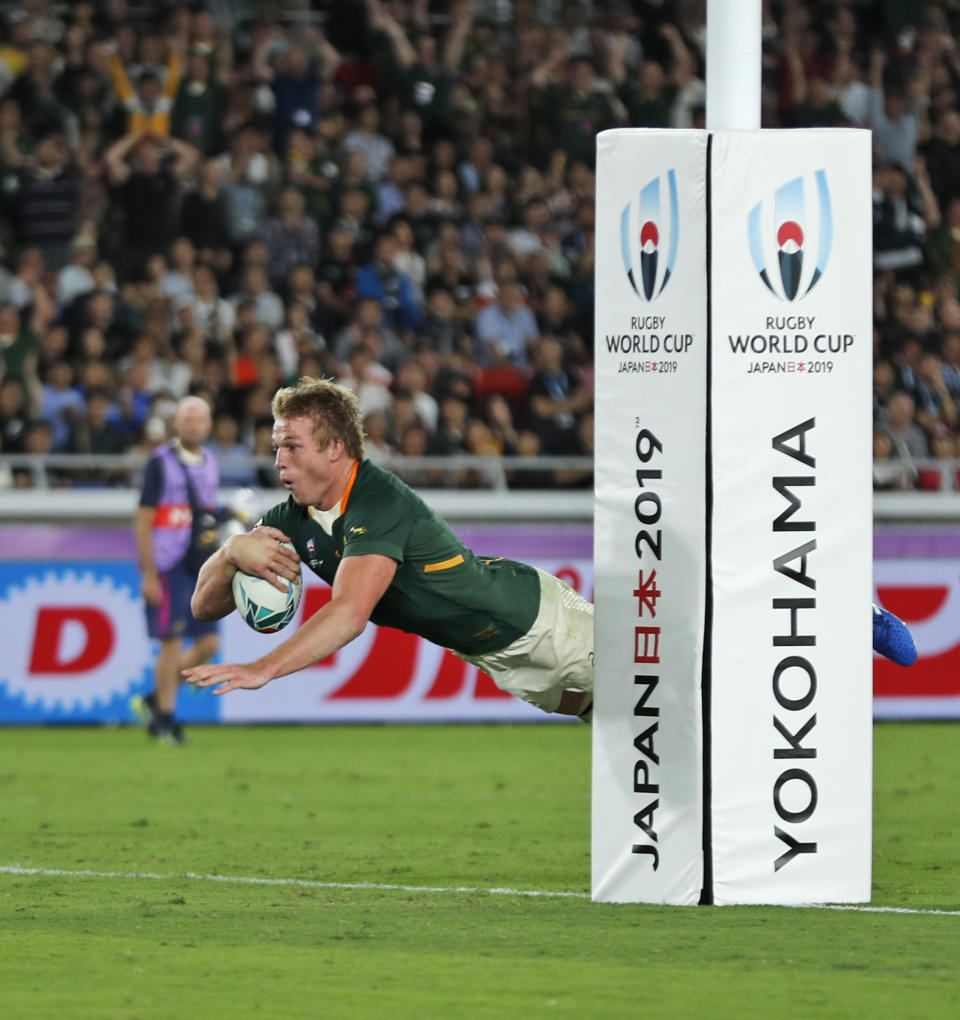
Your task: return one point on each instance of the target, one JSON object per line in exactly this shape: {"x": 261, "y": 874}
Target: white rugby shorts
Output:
{"x": 556, "y": 653}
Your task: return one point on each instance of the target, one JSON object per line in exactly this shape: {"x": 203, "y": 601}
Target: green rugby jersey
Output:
{"x": 441, "y": 590}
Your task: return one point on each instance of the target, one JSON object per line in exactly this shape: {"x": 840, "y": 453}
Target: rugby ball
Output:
{"x": 263, "y": 606}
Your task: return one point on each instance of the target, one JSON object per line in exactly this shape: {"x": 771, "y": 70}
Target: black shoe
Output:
{"x": 168, "y": 731}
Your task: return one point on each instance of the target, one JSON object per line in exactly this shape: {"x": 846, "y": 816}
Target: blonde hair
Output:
{"x": 334, "y": 411}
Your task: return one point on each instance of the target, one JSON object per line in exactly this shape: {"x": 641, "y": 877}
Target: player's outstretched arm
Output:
{"x": 259, "y": 552}
{"x": 359, "y": 585}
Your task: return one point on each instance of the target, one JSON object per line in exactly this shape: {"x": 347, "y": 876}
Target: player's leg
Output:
{"x": 206, "y": 644}
{"x": 576, "y": 703}
{"x": 551, "y": 666}
{"x": 179, "y": 584}
{"x": 203, "y": 649}
{"x": 573, "y": 639}
{"x": 892, "y": 638}
{"x": 160, "y": 627}
{"x": 167, "y": 675}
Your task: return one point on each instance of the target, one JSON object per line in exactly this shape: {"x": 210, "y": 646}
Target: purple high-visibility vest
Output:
{"x": 165, "y": 487}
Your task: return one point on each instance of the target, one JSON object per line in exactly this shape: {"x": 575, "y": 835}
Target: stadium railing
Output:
{"x": 103, "y": 489}
{"x": 59, "y": 488}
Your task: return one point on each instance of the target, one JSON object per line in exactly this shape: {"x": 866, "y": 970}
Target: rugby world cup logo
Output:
{"x": 793, "y": 233}
{"x": 653, "y": 230}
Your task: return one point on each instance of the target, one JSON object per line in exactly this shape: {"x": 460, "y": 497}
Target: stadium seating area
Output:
{"x": 217, "y": 197}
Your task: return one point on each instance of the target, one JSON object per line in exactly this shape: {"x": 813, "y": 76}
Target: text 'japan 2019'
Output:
{"x": 646, "y": 650}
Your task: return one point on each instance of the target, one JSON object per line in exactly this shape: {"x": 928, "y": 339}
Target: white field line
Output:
{"x": 301, "y": 883}
{"x": 304, "y": 883}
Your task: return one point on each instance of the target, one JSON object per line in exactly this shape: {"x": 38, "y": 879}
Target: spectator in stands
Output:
{"x": 176, "y": 283}
{"x": 295, "y": 76}
{"x": 902, "y": 214}
{"x": 407, "y": 259}
{"x": 884, "y": 386}
{"x": 18, "y": 343}
{"x": 905, "y": 434}
{"x": 61, "y": 403}
{"x": 572, "y": 104}
{"x": 443, "y": 330}
{"x": 377, "y": 149}
{"x": 300, "y": 288}
{"x": 505, "y": 329}
{"x": 935, "y": 406}
{"x": 197, "y": 114}
{"x": 945, "y": 242}
{"x": 209, "y": 312}
{"x": 38, "y": 442}
{"x": 895, "y": 113}
{"x": 291, "y": 236}
{"x": 232, "y": 455}
{"x": 147, "y": 188}
{"x": 35, "y": 94}
{"x": 412, "y": 378}
{"x": 891, "y": 471}
{"x": 336, "y": 274}
{"x": 94, "y": 433}
{"x": 299, "y": 339}
{"x": 149, "y": 102}
{"x": 267, "y": 305}
{"x": 556, "y": 398}
{"x": 16, "y": 145}
{"x": 310, "y": 167}
{"x": 392, "y": 288}
{"x": 45, "y": 199}
{"x": 942, "y": 152}
{"x": 250, "y": 171}
{"x": 375, "y": 433}
{"x": 15, "y": 414}
{"x": 450, "y": 436}
{"x": 950, "y": 361}
{"x": 205, "y": 218}
{"x": 368, "y": 379}
{"x": 76, "y": 278}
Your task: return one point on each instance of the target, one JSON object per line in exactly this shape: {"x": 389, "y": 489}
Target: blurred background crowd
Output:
{"x": 217, "y": 197}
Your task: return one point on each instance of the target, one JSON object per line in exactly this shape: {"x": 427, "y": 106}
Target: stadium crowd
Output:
{"x": 216, "y": 198}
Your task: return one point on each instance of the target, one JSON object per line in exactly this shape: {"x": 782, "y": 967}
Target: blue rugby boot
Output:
{"x": 892, "y": 639}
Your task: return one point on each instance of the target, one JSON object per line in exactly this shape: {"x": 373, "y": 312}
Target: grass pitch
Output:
{"x": 437, "y": 807}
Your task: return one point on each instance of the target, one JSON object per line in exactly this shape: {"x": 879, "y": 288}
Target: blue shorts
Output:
{"x": 172, "y": 617}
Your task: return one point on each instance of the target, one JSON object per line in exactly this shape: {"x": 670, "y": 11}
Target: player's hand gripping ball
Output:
{"x": 262, "y": 605}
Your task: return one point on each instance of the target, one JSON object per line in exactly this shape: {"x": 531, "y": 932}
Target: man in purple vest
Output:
{"x": 177, "y": 511}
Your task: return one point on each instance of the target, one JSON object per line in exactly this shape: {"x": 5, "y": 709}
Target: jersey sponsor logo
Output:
{"x": 358, "y": 531}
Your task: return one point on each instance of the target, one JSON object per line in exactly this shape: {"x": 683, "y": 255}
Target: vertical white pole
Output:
{"x": 733, "y": 64}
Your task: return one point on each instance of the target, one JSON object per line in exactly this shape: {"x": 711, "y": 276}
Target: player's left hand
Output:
{"x": 233, "y": 677}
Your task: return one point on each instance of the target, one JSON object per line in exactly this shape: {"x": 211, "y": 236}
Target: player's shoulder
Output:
{"x": 285, "y": 514}
{"x": 154, "y": 467}
{"x": 375, "y": 483}
{"x": 381, "y": 495}
{"x": 159, "y": 453}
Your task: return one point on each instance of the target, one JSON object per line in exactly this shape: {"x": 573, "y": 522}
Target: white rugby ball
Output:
{"x": 263, "y": 606}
